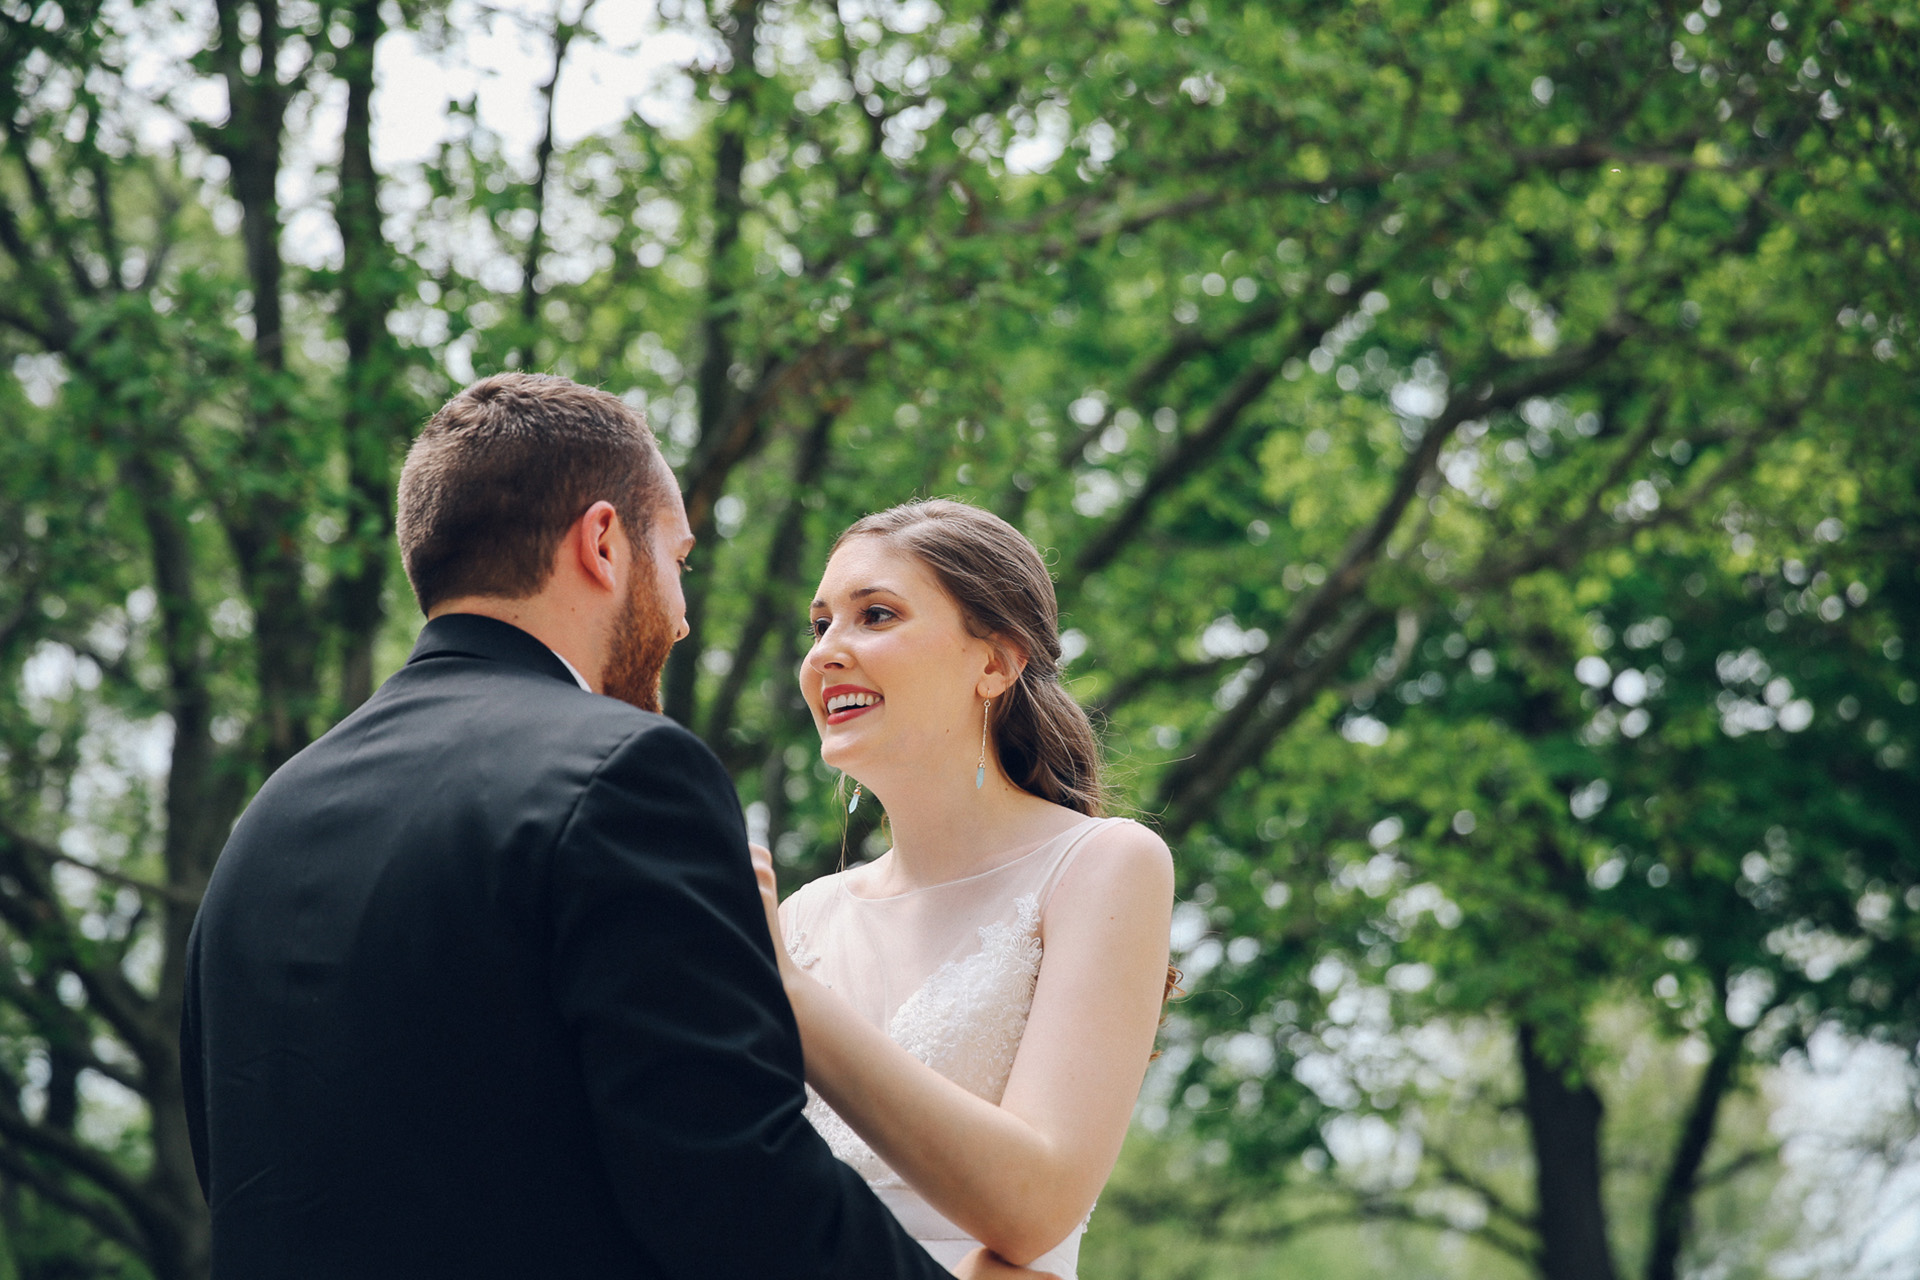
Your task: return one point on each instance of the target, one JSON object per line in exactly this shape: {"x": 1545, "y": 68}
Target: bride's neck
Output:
{"x": 945, "y": 830}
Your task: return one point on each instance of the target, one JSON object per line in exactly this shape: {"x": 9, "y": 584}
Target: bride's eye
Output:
{"x": 817, "y": 627}
{"x": 875, "y": 614}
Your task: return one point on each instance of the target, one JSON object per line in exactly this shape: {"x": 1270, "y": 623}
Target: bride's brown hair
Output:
{"x": 1043, "y": 738}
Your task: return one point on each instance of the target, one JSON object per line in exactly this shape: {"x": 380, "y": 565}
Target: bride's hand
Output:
{"x": 770, "y": 900}
{"x": 982, "y": 1264}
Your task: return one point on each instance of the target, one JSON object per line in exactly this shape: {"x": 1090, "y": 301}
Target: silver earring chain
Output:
{"x": 980, "y": 771}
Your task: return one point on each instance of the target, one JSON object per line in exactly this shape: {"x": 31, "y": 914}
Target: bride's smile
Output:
{"x": 845, "y": 701}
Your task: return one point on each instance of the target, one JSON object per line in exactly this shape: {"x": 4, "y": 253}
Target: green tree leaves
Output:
{"x": 1368, "y": 372}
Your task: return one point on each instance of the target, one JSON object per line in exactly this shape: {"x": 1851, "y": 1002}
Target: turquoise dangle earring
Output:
{"x": 980, "y": 771}
{"x": 852, "y": 804}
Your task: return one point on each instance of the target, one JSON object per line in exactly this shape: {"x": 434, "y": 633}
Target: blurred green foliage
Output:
{"x": 1476, "y": 444}
{"x": 1177, "y": 1208}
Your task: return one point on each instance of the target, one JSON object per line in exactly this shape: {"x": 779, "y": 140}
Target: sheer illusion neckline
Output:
{"x": 1051, "y": 841}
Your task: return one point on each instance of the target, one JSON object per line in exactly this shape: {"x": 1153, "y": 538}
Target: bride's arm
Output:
{"x": 1020, "y": 1176}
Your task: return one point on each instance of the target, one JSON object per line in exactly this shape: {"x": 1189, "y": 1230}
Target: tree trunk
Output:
{"x": 377, "y": 411}
{"x": 1673, "y": 1211}
{"x": 782, "y": 574}
{"x": 1563, "y": 1121}
{"x": 264, "y": 523}
{"x": 713, "y": 379}
{"x": 203, "y": 797}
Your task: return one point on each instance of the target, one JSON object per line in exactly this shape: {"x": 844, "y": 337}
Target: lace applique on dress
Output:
{"x": 965, "y": 1022}
{"x": 846, "y": 1144}
{"x": 800, "y": 950}
{"x": 967, "y": 1019}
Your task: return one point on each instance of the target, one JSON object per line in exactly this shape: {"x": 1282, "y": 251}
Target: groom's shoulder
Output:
{"x": 486, "y": 721}
{"x": 570, "y": 729}
{"x": 523, "y": 716}
{"x": 619, "y": 732}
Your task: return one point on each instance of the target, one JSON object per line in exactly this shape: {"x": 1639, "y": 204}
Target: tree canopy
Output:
{"x": 1476, "y": 444}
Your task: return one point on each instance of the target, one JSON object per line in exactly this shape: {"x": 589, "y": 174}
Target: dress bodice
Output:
{"x": 948, "y": 971}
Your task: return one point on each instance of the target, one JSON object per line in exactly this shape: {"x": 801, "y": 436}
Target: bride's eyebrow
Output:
{"x": 860, "y": 594}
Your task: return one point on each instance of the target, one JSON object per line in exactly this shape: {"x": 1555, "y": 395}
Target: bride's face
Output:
{"x": 894, "y": 679}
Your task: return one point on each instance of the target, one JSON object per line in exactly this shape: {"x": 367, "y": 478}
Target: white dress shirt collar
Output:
{"x": 577, "y": 677}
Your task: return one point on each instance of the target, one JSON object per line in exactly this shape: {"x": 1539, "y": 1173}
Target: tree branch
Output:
{"x": 147, "y": 888}
{"x": 60, "y": 330}
{"x": 1568, "y": 541}
{"x": 39, "y": 914}
{"x": 1195, "y": 448}
{"x": 54, "y": 222}
{"x": 64, "y": 1026}
{"x": 1498, "y": 1205}
{"x": 1245, "y": 730}
{"x": 1192, "y": 450}
{"x": 1677, "y": 157}
{"x": 68, "y": 1152}
{"x": 1136, "y": 682}
{"x": 1380, "y": 1209}
{"x": 563, "y": 34}
{"x": 1185, "y": 345}
{"x": 777, "y": 579}
{"x": 1406, "y": 634}
{"x": 101, "y": 1217}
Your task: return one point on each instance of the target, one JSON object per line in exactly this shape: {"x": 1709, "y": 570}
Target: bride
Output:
{"x": 978, "y": 1004}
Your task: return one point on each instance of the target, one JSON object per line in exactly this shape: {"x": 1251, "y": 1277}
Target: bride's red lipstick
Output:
{"x": 832, "y": 691}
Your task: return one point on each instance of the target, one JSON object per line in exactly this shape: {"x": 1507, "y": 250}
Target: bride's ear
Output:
{"x": 1004, "y": 665}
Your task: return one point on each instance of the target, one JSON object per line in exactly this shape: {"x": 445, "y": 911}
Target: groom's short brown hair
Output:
{"x": 499, "y": 473}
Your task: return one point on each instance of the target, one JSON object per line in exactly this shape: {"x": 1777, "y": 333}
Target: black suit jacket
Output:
{"x": 482, "y": 987}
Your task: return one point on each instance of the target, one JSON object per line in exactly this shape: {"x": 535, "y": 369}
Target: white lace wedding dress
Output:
{"x": 949, "y": 972}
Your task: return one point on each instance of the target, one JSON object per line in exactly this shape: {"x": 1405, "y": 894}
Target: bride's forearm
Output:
{"x": 989, "y": 1171}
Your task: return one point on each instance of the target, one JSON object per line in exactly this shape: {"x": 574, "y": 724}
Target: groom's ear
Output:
{"x": 594, "y": 545}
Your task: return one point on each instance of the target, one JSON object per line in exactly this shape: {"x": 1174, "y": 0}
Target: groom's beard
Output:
{"x": 641, "y": 642}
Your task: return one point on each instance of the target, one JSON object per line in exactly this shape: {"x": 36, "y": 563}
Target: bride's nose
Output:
{"x": 827, "y": 653}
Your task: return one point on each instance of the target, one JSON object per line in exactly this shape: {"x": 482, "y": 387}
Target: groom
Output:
{"x": 482, "y": 986}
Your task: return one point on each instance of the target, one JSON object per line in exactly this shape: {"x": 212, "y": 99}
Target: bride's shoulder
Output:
{"x": 1124, "y": 850}
{"x": 1120, "y": 878}
{"x": 814, "y": 894}
{"x": 1126, "y": 838}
